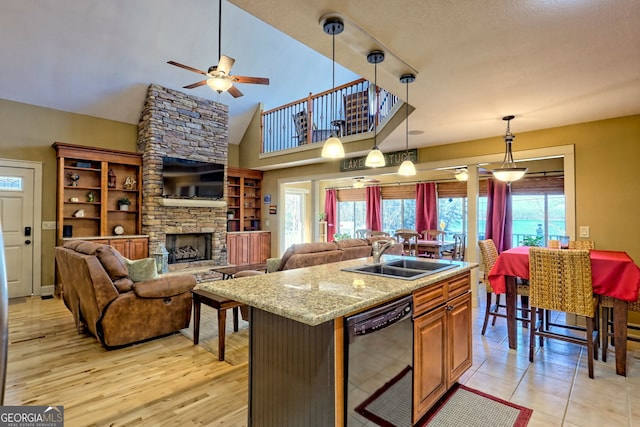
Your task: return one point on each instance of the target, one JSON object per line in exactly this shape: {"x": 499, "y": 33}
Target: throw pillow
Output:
{"x": 142, "y": 269}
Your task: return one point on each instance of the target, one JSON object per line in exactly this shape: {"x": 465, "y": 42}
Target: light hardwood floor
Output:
{"x": 169, "y": 381}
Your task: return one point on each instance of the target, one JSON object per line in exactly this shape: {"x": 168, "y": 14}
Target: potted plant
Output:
{"x": 123, "y": 203}
{"x": 531, "y": 241}
{"x": 322, "y": 216}
{"x": 230, "y": 214}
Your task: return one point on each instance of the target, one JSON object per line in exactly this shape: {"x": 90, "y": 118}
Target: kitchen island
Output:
{"x": 297, "y": 336}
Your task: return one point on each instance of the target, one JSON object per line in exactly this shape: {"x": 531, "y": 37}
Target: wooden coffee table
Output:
{"x": 229, "y": 270}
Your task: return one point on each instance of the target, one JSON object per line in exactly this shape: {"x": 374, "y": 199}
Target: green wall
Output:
{"x": 28, "y": 133}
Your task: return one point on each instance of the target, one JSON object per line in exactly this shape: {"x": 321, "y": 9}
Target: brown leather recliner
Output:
{"x": 116, "y": 310}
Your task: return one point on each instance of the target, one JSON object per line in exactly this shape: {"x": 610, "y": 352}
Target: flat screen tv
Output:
{"x": 192, "y": 179}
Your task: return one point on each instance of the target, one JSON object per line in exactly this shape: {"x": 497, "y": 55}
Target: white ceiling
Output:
{"x": 548, "y": 62}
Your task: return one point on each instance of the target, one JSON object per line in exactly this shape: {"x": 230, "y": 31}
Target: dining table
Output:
{"x": 614, "y": 274}
{"x": 434, "y": 247}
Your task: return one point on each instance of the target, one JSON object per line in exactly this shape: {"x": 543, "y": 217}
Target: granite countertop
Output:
{"x": 314, "y": 295}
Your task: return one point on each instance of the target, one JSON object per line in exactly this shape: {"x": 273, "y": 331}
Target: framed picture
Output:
{"x": 273, "y": 209}
{"x": 267, "y": 199}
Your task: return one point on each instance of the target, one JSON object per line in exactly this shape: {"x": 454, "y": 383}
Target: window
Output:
{"x": 538, "y": 209}
{"x": 293, "y": 230}
{"x": 351, "y": 217}
{"x": 538, "y": 215}
{"x": 10, "y": 183}
{"x": 398, "y": 213}
{"x": 453, "y": 212}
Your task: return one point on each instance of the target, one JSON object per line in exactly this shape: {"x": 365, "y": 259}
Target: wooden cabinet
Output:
{"x": 91, "y": 181}
{"x": 442, "y": 340}
{"x": 134, "y": 248}
{"x": 244, "y": 199}
{"x": 248, "y": 248}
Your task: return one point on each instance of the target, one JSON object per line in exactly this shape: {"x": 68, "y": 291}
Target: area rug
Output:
{"x": 236, "y": 350}
{"x": 390, "y": 406}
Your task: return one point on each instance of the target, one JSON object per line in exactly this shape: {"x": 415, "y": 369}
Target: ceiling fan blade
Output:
{"x": 225, "y": 64}
{"x": 235, "y": 92}
{"x": 186, "y": 67}
{"x": 194, "y": 85}
{"x": 254, "y": 80}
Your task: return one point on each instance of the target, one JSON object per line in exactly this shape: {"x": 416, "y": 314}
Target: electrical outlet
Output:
{"x": 48, "y": 225}
{"x": 584, "y": 231}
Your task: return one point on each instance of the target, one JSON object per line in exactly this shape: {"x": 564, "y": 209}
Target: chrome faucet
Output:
{"x": 377, "y": 250}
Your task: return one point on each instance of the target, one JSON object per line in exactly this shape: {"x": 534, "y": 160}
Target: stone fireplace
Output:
{"x": 180, "y": 125}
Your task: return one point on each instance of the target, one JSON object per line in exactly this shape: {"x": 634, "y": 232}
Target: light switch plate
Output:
{"x": 48, "y": 225}
{"x": 584, "y": 231}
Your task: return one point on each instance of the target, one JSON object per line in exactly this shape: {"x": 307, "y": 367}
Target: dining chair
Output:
{"x": 379, "y": 233}
{"x": 582, "y": 244}
{"x": 561, "y": 281}
{"x": 409, "y": 241}
{"x": 489, "y": 254}
{"x": 459, "y": 245}
{"x": 573, "y": 244}
{"x": 606, "y": 329}
{"x": 554, "y": 244}
{"x": 363, "y": 233}
{"x": 433, "y": 235}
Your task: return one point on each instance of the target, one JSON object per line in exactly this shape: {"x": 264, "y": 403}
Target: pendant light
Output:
{"x": 375, "y": 158}
{"x": 332, "y": 148}
{"x": 509, "y": 171}
{"x": 407, "y": 168}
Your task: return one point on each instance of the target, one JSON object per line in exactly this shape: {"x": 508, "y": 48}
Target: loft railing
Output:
{"x": 347, "y": 110}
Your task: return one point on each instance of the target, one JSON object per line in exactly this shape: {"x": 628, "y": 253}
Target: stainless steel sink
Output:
{"x": 405, "y": 269}
{"x": 416, "y": 264}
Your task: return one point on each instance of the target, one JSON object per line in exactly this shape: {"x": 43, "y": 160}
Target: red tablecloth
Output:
{"x": 614, "y": 273}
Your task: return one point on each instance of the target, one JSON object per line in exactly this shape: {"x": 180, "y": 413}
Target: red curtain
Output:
{"x": 499, "y": 226}
{"x": 426, "y": 207}
{"x": 330, "y": 212}
{"x": 374, "y": 208}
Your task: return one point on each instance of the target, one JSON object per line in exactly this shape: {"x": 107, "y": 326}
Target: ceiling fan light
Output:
{"x": 332, "y": 149}
{"x": 358, "y": 183}
{"x": 375, "y": 159}
{"x": 461, "y": 174}
{"x": 407, "y": 168}
{"x": 219, "y": 84}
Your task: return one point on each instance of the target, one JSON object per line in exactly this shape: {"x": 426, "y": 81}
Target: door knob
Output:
{"x": 27, "y": 242}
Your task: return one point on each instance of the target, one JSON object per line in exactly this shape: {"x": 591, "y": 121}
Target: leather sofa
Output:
{"x": 308, "y": 254}
{"x": 115, "y": 309}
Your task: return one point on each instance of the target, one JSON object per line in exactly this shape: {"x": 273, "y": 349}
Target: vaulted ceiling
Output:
{"x": 548, "y": 62}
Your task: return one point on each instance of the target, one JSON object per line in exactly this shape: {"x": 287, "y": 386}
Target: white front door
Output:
{"x": 17, "y": 222}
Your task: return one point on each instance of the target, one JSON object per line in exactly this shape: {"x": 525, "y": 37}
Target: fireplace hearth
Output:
{"x": 189, "y": 247}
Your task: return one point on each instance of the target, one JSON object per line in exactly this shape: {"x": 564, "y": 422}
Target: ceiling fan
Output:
{"x": 218, "y": 76}
{"x": 361, "y": 181}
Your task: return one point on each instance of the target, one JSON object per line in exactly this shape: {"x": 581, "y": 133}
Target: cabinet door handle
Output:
{"x": 450, "y": 308}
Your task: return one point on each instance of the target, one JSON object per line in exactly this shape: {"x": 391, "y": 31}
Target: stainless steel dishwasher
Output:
{"x": 378, "y": 351}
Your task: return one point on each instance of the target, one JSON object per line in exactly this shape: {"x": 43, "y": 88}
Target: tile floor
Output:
{"x": 556, "y": 386}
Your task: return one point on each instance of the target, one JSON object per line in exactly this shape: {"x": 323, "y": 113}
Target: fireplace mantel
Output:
{"x": 162, "y": 201}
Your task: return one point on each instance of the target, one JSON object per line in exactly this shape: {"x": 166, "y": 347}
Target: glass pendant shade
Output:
{"x": 407, "y": 168}
{"x": 219, "y": 84}
{"x": 332, "y": 148}
{"x": 375, "y": 159}
{"x": 509, "y": 171}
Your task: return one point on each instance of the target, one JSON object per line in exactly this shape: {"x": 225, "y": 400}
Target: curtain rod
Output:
{"x": 481, "y": 177}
